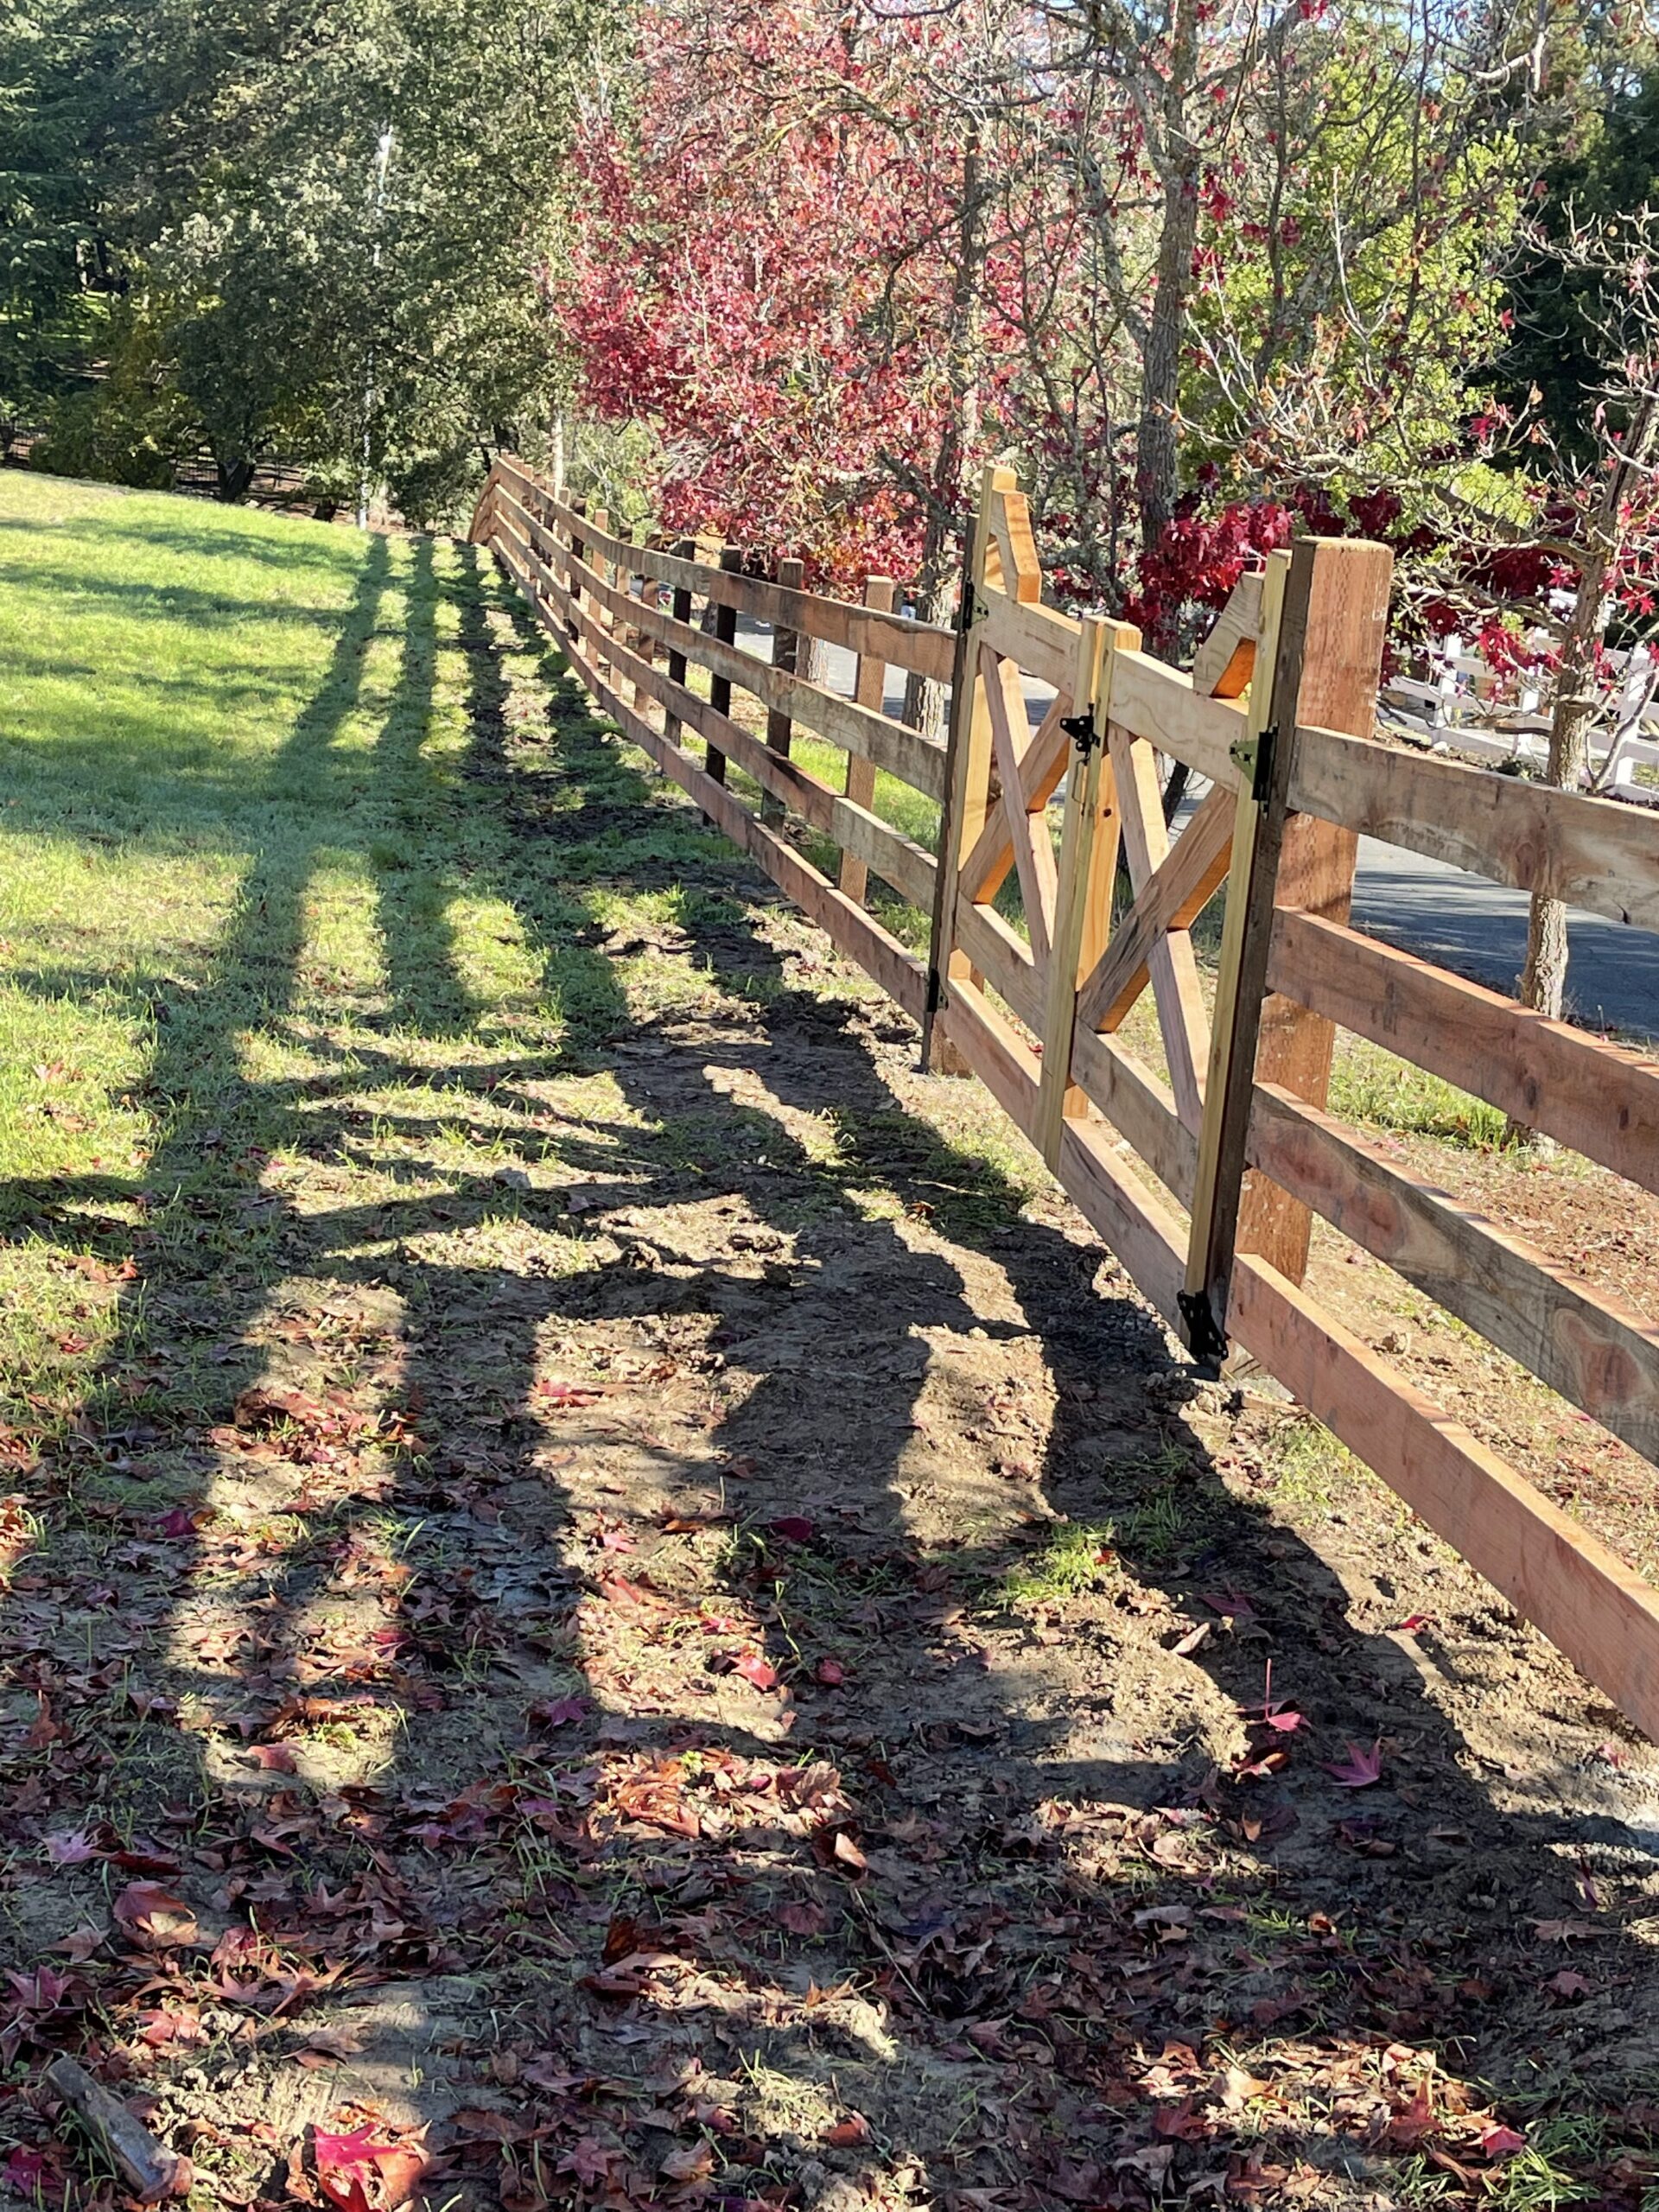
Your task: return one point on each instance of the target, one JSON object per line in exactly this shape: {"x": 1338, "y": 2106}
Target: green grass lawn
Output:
{"x": 255, "y": 890}
{"x": 258, "y": 889}
{"x": 271, "y": 898}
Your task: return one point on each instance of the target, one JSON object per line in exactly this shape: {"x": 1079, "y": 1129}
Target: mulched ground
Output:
{"x": 720, "y": 1658}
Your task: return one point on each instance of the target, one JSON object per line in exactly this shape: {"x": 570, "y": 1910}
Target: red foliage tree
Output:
{"x": 769, "y": 265}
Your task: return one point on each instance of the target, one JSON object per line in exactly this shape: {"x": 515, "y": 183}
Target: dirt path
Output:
{"x": 643, "y": 1600}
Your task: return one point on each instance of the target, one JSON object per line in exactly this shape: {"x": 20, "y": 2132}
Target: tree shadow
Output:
{"x": 802, "y": 1380}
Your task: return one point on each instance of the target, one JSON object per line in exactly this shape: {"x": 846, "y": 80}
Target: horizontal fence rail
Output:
{"x": 1193, "y": 1130}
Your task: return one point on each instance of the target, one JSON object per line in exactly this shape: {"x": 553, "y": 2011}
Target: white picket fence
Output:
{"x": 1448, "y": 711}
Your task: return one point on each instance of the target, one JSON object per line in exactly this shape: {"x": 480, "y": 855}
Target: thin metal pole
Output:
{"x": 382, "y": 160}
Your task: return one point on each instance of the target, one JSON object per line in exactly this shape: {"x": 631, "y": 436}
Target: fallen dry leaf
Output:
{"x": 157, "y": 1918}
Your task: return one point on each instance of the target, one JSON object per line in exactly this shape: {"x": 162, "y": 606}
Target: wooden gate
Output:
{"x": 1202, "y": 1151}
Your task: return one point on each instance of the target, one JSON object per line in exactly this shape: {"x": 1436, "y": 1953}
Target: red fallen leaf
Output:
{"x": 617, "y": 1540}
{"x": 620, "y": 1591}
{"x": 1180, "y": 2123}
{"x": 334, "y": 2043}
{"x": 802, "y": 1919}
{"x": 589, "y": 2161}
{"x": 846, "y": 2132}
{"x": 39, "y": 1992}
{"x": 793, "y": 1527}
{"x": 1231, "y": 1605}
{"x": 1080, "y": 2184}
{"x": 261, "y": 1407}
{"x": 559, "y": 1712}
{"x": 1568, "y": 1984}
{"x": 150, "y": 1861}
{"x": 25, "y": 2171}
{"x": 275, "y": 1758}
{"x": 183, "y": 1521}
{"x": 483, "y": 2125}
{"x": 1413, "y": 2121}
{"x": 71, "y": 1847}
{"x": 1359, "y": 1770}
{"x": 157, "y": 1918}
{"x": 830, "y": 1673}
{"x": 80, "y": 1943}
{"x": 695, "y": 2162}
{"x": 1411, "y": 1623}
{"x": 1498, "y": 2141}
{"x": 345, "y": 2161}
{"x": 1285, "y": 1723}
{"x": 621, "y": 1939}
{"x": 563, "y": 1396}
{"x": 45, "y": 1730}
{"x": 849, "y": 1853}
{"x": 754, "y": 1668}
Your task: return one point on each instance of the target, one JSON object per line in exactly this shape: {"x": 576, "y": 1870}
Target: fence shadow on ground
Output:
{"x": 1018, "y": 1911}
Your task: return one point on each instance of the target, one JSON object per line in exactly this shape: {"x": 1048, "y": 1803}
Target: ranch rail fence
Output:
{"x": 1233, "y": 1147}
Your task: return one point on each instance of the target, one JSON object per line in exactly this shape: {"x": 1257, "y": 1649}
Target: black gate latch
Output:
{"x": 1081, "y": 729}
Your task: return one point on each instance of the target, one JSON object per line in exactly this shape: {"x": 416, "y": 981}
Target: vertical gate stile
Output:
{"x": 1233, "y": 1028}
{"x": 968, "y": 767}
{"x": 1088, "y": 865}
{"x": 1342, "y": 663}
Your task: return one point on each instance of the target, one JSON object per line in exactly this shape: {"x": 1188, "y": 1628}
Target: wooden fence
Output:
{"x": 1201, "y": 1153}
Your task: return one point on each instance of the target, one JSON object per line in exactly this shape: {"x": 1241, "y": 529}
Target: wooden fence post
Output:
{"x": 578, "y": 552}
{"x": 685, "y": 550}
{"x": 1324, "y": 617}
{"x": 968, "y": 767}
{"x": 870, "y": 690}
{"x": 1088, "y": 871}
{"x": 600, "y": 519}
{"x": 719, "y": 687}
{"x": 641, "y": 640}
{"x": 786, "y": 654}
{"x": 1346, "y": 628}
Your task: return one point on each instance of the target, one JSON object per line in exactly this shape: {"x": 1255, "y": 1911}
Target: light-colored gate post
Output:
{"x": 968, "y": 765}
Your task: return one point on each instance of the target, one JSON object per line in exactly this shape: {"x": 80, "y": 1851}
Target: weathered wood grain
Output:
{"x": 1585, "y": 1343}
{"x": 1601, "y": 1099}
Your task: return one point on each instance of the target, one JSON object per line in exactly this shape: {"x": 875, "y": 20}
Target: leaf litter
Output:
{"x": 590, "y": 1726}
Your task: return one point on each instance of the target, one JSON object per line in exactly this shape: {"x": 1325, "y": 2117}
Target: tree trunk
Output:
{"x": 234, "y": 476}
{"x": 924, "y": 703}
{"x": 1157, "y": 457}
{"x": 1543, "y": 980}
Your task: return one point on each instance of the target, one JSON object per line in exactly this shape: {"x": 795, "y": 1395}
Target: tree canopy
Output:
{"x": 311, "y": 231}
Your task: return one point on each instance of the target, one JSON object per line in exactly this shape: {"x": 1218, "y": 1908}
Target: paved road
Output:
{"x": 1480, "y": 930}
{"x": 1445, "y": 914}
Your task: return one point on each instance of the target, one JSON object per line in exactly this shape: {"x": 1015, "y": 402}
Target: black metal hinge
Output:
{"x": 1254, "y": 756}
{"x": 1204, "y": 1339}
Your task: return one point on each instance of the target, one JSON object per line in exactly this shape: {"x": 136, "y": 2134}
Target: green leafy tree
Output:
{"x": 336, "y": 215}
